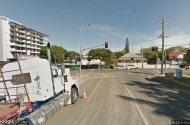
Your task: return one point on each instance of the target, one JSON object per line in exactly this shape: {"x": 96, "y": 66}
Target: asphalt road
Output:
{"x": 124, "y": 98}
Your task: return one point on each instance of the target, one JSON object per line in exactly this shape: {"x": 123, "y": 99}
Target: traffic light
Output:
{"x": 106, "y": 44}
{"x": 154, "y": 48}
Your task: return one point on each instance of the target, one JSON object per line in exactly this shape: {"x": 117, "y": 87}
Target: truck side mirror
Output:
{"x": 55, "y": 73}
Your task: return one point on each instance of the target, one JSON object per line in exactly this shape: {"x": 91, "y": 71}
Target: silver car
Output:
{"x": 132, "y": 66}
{"x": 121, "y": 67}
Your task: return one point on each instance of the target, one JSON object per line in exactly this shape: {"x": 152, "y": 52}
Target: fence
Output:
{"x": 90, "y": 66}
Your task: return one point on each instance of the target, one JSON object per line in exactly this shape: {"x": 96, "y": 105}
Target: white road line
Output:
{"x": 90, "y": 72}
{"x": 137, "y": 106}
{"x": 94, "y": 89}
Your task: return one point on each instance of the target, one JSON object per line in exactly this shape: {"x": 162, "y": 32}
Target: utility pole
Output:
{"x": 157, "y": 63}
{"x": 163, "y": 19}
{"x": 142, "y": 58}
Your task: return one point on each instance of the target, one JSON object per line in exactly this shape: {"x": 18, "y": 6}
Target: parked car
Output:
{"x": 131, "y": 66}
{"x": 121, "y": 67}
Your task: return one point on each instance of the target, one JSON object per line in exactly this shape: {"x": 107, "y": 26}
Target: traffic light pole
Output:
{"x": 81, "y": 54}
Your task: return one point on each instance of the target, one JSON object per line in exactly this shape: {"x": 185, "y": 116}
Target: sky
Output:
{"x": 91, "y": 23}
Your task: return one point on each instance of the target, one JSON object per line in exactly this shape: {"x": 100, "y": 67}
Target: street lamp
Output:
{"x": 81, "y": 28}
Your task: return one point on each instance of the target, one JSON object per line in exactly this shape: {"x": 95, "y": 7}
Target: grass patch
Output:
{"x": 184, "y": 79}
{"x": 173, "y": 83}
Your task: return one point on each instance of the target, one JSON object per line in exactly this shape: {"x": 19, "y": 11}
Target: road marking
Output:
{"x": 90, "y": 72}
{"x": 168, "y": 90}
{"x": 94, "y": 89}
{"x": 135, "y": 102}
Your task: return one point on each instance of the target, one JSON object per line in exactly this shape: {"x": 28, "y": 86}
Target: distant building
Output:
{"x": 18, "y": 41}
{"x": 131, "y": 58}
{"x": 176, "y": 58}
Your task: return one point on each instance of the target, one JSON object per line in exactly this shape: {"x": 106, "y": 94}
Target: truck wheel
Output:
{"x": 74, "y": 95}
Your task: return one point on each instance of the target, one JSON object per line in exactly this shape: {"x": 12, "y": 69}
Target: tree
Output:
{"x": 187, "y": 57}
{"x": 119, "y": 54}
{"x": 43, "y": 52}
{"x": 72, "y": 54}
{"x": 104, "y": 55}
{"x": 127, "y": 46}
{"x": 56, "y": 53}
{"x": 151, "y": 55}
{"x": 173, "y": 49}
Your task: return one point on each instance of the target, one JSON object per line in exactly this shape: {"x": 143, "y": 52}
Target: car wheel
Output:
{"x": 74, "y": 95}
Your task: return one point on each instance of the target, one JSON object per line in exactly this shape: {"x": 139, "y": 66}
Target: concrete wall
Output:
{"x": 148, "y": 66}
{"x": 1, "y": 41}
{"x": 6, "y": 40}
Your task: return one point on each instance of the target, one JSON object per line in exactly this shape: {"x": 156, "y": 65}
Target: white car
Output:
{"x": 121, "y": 67}
{"x": 132, "y": 66}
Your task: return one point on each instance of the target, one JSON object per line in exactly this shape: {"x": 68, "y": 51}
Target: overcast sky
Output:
{"x": 110, "y": 20}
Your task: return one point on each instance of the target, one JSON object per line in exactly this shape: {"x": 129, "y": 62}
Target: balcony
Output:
{"x": 22, "y": 31}
{"x": 17, "y": 39}
{"x": 17, "y": 29}
{"x": 17, "y": 34}
{"x": 12, "y": 44}
{"x": 28, "y": 42}
{"x": 12, "y": 29}
{"x": 37, "y": 39}
{"x": 12, "y": 39}
{"x": 18, "y": 45}
{"x": 23, "y": 36}
{"x": 16, "y": 50}
{"x": 38, "y": 48}
{"x": 35, "y": 52}
{"x": 30, "y": 47}
{"x": 44, "y": 38}
{"x": 23, "y": 41}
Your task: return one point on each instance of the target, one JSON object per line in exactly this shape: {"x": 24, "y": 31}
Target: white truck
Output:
{"x": 34, "y": 90}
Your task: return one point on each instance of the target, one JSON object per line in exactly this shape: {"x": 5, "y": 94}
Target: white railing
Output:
{"x": 28, "y": 42}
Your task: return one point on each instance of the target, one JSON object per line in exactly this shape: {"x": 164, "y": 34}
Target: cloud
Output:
{"x": 108, "y": 31}
{"x": 175, "y": 40}
{"x": 180, "y": 39}
{"x": 142, "y": 39}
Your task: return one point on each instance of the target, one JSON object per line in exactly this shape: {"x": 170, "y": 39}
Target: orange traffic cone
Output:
{"x": 84, "y": 95}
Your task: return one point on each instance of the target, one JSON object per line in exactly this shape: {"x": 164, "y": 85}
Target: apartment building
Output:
{"x": 18, "y": 41}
